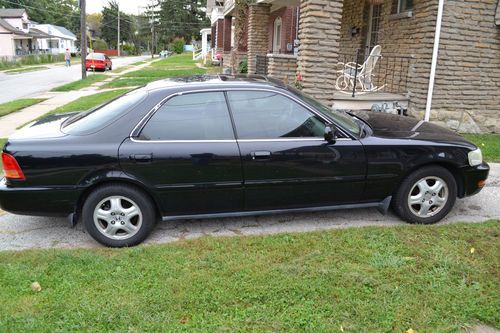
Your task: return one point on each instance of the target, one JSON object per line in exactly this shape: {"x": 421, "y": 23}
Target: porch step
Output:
{"x": 380, "y": 100}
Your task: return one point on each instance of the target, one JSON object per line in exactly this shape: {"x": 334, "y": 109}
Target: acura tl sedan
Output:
{"x": 222, "y": 146}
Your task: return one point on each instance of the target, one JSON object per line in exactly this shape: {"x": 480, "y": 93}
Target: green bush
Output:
{"x": 129, "y": 49}
{"x": 6, "y": 62}
{"x": 99, "y": 44}
{"x": 243, "y": 66}
{"x": 178, "y": 45}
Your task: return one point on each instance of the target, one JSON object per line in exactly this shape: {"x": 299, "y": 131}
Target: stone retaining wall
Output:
{"x": 283, "y": 67}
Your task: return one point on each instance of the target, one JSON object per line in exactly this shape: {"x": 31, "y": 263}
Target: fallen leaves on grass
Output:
{"x": 35, "y": 286}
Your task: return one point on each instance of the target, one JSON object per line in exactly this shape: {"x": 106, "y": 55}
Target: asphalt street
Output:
{"x": 15, "y": 86}
{"x": 25, "y": 232}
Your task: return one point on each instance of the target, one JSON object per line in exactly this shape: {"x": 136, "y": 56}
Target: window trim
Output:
{"x": 399, "y": 10}
{"x": 277, "y": 22}
{"x": 134, "y": 134}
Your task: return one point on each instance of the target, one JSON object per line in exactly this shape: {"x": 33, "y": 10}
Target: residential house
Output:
{"x": 465, "y": 80}
{"x": 60, "y": 39}
{"x": 20, "y": 36}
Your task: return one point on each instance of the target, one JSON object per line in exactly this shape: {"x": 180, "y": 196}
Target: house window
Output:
{"x": 404, "y": 6}
{"x": 277, "y": 35}
{"x": 53, "y": 44}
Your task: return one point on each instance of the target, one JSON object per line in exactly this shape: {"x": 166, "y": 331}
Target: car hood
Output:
{"x": 400, "y": 127}
{"x": 45, "y": 128}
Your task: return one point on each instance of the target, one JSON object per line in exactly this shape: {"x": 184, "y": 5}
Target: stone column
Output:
{"x": 219, "y": 41}
{"x": 226, "y": 42}
{"x": 319, "y": 35}
{"x": 258, "y": 33}
{"x": 226, "y": 45}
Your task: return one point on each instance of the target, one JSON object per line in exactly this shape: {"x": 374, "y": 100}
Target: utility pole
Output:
{"x": 152, "y": 29}
{"x": 83, "y": 36}
{"x": 118, "y": 44}
{"x": 152, "y": 41}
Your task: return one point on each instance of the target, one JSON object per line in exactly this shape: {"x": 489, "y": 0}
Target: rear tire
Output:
{"x": 118, "y": 215}
{"x": 426, "y": 196}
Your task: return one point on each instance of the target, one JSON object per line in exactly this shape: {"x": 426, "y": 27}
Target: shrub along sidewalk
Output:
{"x": 372, "y": 279}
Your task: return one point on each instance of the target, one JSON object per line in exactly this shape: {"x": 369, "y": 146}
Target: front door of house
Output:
{"x": 373, "y": 25}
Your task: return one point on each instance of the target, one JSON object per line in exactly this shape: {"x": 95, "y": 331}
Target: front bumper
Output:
{"x": 474, "y": 177}
{"x": 38, "y": 201}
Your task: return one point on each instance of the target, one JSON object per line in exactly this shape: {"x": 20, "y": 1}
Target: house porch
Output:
{"x": 328, "y": 33}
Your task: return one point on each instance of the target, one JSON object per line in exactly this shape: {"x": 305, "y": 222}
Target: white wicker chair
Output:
{"x": 364, "y": 75}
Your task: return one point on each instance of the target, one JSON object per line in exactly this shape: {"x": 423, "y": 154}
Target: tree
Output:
{"x": 94, "y": 22}
{"x": 109, "y": 25}
{"x": 183, "y": 19}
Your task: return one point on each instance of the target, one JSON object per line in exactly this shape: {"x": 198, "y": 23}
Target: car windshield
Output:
{"x": 96, "y": 119}
{"x": 341, "y": 117}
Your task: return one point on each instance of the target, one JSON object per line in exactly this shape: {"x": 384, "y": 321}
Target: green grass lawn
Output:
{"x": 82, "y": 83}
{"x": 122, "y": 69}
{"x": 175, "y": 65}
{"x": 88, "y": 102}
{"x": 17, "y": 105}
{"x": 128, "y": 82}
{"x": 26, "y": 69}
{"x": 84, "y": 103}
{"x": 489, "y": 144}
{"x": 370, "y": 279}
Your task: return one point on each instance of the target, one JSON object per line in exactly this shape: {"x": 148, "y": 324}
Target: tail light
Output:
{"x": 11, "y": 168}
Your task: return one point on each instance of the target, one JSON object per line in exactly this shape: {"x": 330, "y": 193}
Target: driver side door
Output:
{"x": 286, "y": 161}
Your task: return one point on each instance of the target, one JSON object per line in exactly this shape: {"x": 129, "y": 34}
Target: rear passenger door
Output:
{"x": 187, "y": 153}
{"x": 286, "y": 161}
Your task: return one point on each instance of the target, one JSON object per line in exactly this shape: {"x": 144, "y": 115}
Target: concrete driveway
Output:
{"x": 24, "y": 232}
{"x": 14, "y": 86}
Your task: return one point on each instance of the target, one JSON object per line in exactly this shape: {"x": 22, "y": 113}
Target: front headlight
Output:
{"x": 475, "y": 157}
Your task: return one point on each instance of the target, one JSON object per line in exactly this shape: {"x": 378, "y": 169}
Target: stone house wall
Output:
{"x": 468, "y": 69}
{"x": 283, "y": 67}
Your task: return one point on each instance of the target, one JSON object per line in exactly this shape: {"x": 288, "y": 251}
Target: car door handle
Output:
{"x": 261, "y": 155}
{"x": 142, "y": 158}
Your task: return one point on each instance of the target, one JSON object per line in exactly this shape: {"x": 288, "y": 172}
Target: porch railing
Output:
{"x": 390, "y": 74}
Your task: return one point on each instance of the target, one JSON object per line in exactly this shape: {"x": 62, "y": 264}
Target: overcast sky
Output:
{"x": 126, "y": 6}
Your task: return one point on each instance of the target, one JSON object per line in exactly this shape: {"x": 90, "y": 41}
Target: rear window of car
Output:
{"x": 96, "y": 119}
{"x": 96, "y": 56}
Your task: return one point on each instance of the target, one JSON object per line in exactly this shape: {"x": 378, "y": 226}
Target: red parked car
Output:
{"x": 98, "y": 61}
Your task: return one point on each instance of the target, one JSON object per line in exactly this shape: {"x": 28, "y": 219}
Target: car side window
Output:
{"x": 269, "y": 115}
{"x": 196, "y": 116}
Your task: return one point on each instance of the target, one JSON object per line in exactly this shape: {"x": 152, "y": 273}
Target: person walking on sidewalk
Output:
{"x": 67, "y": 58}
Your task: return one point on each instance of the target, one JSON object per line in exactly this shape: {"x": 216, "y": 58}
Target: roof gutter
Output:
{"x": 435, "y": 52}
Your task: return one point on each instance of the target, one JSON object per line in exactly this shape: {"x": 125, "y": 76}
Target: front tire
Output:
{"x": 118, "y": 215}
{"x": 426, "y": 196}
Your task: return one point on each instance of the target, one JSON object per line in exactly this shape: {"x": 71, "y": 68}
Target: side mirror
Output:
{"x": 330, "y": 133}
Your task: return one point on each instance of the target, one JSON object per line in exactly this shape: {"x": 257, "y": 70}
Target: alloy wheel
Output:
{"x": 118, "y": 217}
{"x": 428, "y": 196}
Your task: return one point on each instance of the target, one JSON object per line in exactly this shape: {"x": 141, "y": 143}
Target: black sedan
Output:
{"x": 221, "y": 146}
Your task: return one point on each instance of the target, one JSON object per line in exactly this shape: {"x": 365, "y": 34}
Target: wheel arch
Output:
{"x": 451, "y": 167}
{"x": 115, "y": 181}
